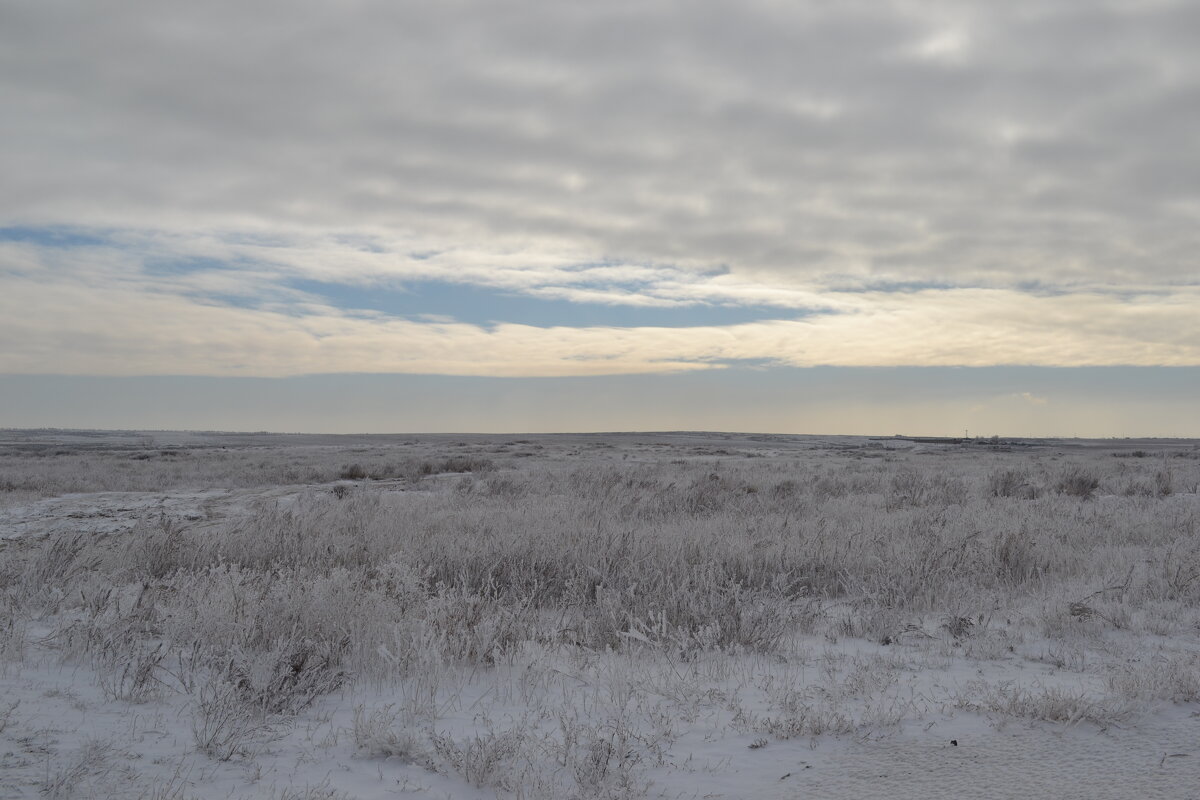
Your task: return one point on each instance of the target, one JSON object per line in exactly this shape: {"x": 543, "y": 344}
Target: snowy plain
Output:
{"x": 685, "y": 615}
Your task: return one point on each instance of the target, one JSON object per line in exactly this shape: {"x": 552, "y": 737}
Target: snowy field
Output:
{"x": 597, "y": 616}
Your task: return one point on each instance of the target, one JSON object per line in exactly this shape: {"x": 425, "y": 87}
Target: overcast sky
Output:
{"x": 825, "y": 206}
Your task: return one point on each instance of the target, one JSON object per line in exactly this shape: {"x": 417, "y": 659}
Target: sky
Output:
{"x": 805, "y": 216}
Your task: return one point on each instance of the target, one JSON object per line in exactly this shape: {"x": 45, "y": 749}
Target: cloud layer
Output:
{"x": 897, "y": 183}
{"x": 87, "y": 311}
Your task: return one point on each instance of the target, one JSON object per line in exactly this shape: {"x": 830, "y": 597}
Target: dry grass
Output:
{"x": 438, "y": 560}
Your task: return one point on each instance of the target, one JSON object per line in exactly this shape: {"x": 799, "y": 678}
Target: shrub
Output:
{"x": 485, "y": 760}
{"x": 1051, "y": 704}
{"x": 1163, "y": 483}
{"x": 456, "y": 464}
{"x": 127, "y": 671}
{"x": 1015, "y": 558}
{"x": 222, "y": 725}
{"x": 389, "y": 733}
{"x": 911, "y": 487}
{"x": 289, "y": 677}
{"x": 353, "y": 472}
{"x": 1010, "y": 483}
{"x": 1077, "y": 481}
{"x": 1173, "y": 677}
{"x": 90, "y": 763}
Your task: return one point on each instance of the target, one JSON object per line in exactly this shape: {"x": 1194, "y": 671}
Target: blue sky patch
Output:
{"x": 483, "y": 306}
{"x": 58, "y": 236}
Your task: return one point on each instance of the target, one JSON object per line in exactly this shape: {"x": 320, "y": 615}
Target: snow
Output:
{"x": 901, "y": 720}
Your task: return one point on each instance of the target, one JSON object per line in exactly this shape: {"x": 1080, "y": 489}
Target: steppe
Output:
{"x": 620, "y": 615}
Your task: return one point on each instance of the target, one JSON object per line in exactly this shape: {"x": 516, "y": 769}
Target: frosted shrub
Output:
{"x": 1077, "y": 481}
{"x": 600, "y": 758}
{"x": 457, "y": 464}
{"x": 342, "y": 615}
{"x": 1175, "y": 575}
{"x": 222, "y": 725}
{"x": 88, "y": 766}
{"x": 477, "y": 628}
{"x": 353, "y": 472}
{"x": 1052, "y": 704}
{"x": 1164, "y": 483}
{"x": 492, "y": 759}
{"x": 289, "y": 676}
{"x": 702, "y": 608}
{"x": 1015, "y": 557}
{"x": 130, "y": 671}
{"x": 154, "y": 550}
{"x": 911, "y": 487}
{"x": 1174, "y": 677}
{"x": 12, "y": 632}
{"x": 55, "y": 569}
{"x": 388, "y": 732}
{"x": 1010, "y": 483}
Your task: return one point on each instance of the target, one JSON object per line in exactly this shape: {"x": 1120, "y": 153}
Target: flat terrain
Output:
{"x": 682, "y": 615}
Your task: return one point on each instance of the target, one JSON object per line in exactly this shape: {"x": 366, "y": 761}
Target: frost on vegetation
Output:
{"x": 913, "y": 487}
{"x": 1067, "y": 705}
{"x": 12, "y": 634}
{"x": 222, "y": 725}
{"x": 320, "y": 791}
{"x": 1077, "y": 481}
{"x": 1009, "y": 482}
{"x": 602, "y": 759}
{"x": 389, "y": 732}
{"x": 1173, "y": 677}
{"x": 862, "y": 698}
{"x": 493, "y": 758}
{"x": 7, "y": 714}
{"x": 87, "y": 771}
{"x": 288, "y": 677}
{"x": 683, "y": 569}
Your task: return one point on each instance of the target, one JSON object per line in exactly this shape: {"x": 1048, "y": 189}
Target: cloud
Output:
{"x": 896, "y": 183}
{"x": 975, "y": 143}
{"x": 90, "y": 313}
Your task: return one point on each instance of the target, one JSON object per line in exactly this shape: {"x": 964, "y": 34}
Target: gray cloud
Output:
{"x": 806, "y": 144}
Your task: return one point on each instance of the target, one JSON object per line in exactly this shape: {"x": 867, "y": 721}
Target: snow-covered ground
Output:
{"x": 66, "y": 739}
{"x": 830, "y": 620}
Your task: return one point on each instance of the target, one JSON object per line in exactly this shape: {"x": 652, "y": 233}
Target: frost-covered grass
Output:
{"x": 573, "y": 616}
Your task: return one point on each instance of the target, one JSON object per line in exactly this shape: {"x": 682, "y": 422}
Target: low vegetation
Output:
{"x": 393, "y": 571}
